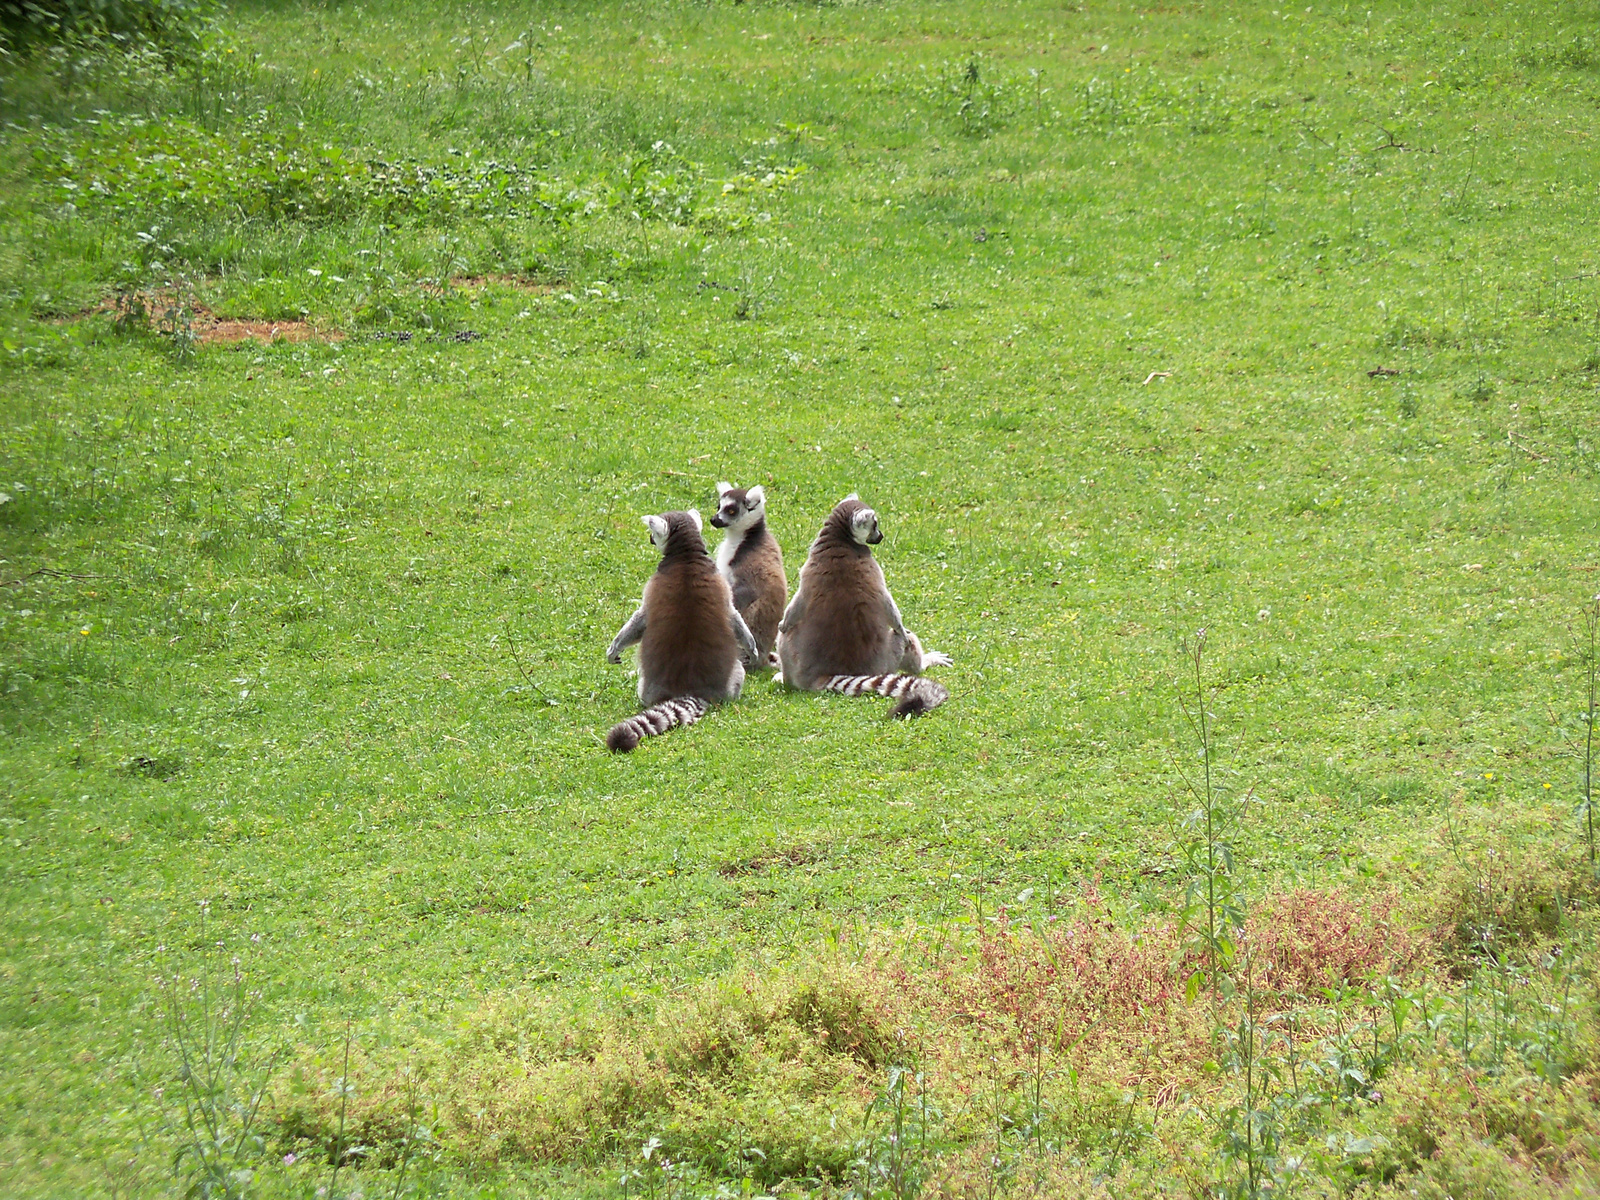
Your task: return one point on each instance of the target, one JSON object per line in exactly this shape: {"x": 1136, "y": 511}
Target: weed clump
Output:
{"x": 775, "y": 1062}
{"x": 1448, "y": 1130}
{"x": 1503, "y": 888}
{"x": 1033, "y": 1039}
{"x": 174, "y": 26}
{"x": 1307, "y": 940}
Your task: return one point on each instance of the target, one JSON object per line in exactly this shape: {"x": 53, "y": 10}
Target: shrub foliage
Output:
{"x": 171, "y": 24}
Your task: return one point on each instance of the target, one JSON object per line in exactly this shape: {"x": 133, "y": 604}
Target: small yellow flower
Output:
{"x": 1547, "y": 785}
{"x": 84, "y": 631}
{"x": 1488, "y": 774}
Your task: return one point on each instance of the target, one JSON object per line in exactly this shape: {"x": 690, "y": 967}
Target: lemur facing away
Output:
{"x": 751, "y": 563}
{"x": 842, "y": 632}
{"x": 693, "y": 644}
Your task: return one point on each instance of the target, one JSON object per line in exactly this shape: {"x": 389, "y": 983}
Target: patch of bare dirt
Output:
{"x": 209, "y": 329}
{"x": 164, "y": 312}
{"x": 793, "y": 856}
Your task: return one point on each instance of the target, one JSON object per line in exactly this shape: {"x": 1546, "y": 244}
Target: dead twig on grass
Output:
{"x": 1511, "y": 440}
{"x": 48, "y": 573}
{"x": 1393, "y": 143}
{"x": 516, "y": 659}
{"x": 1307, "y": 127}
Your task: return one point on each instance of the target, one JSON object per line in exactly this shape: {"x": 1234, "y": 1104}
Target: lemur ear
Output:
{"x": 851, "y": 496}
{"x": 694, "y": 515}
{"x": 658, "y": 529}
{"x": 724, "y": 488}
{"x": 755, "y": 497}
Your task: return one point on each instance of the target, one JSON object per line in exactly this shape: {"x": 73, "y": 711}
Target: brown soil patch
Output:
{"x": 794, "y": 856}
{"x": 210, "y": 329}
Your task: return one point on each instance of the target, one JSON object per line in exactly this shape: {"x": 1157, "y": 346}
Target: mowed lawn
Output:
{"x": 1283, "y": 323}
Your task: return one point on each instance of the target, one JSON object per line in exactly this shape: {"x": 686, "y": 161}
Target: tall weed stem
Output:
{"x": 1213, "y": 913}
{"x": 1591, "y": 631}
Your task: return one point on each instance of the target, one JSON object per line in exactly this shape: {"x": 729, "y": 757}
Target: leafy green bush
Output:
{"x": 171, "y": 24}
{"x": 146, "y": 172}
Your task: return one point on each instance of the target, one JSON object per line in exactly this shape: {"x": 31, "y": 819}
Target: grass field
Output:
{"x": 1129, "y": 321}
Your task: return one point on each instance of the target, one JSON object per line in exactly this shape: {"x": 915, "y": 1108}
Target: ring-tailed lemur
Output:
{"x": 751, "y": 563}
{"x": 842, "y": 632}
{"x": 693, "y": 644}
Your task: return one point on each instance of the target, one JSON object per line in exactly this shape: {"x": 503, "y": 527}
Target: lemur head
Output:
{"x": 676, "y": 532}
{"x": 861, "y": 521}
{"x": 739, "y": 508}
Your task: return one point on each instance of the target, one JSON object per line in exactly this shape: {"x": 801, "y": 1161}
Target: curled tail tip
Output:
{"x": 922, "y": 698}
{"x": 657, "y": 719}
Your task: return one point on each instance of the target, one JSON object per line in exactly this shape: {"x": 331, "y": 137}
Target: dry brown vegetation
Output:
{"x": 1060, "y": 1053}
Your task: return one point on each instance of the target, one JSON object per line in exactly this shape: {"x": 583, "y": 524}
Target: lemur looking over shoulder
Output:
{"x": 693, "y": 644}
{"x": 843, "y": 632}
{"x": 750, "y": 562}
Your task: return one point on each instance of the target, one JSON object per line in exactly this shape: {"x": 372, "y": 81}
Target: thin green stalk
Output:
{"x": 1591, "y": 622}
{"x": 344, "y": 1100}
{"x": 1208, "y": 798}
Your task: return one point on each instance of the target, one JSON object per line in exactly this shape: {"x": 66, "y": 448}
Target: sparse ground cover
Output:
{"x": 1284, "y": 323}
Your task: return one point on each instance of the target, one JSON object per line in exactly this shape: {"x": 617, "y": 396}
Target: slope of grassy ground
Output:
{"x": 1284, "y": 323}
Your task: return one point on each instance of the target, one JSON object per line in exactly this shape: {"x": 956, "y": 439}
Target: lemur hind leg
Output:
{"x": 916, "y": 660}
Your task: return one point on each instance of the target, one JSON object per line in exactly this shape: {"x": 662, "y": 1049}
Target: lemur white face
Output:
{"x": 658, "y": 531}
{"x": 660, "y": 528}
{"x": 864, "y": 527}
{"x": 739, "y": 508}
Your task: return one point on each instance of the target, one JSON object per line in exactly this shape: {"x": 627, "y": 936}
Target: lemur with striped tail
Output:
{"x": 843, "y": 632}
{"x": 693, "y": 644}
{"x": 751, "y": 563}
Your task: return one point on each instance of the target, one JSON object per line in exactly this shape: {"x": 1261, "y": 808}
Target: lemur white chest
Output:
{"x": 728, "y": 548}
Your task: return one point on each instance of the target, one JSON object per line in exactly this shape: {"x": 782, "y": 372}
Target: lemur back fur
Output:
{"x": 693, "y": 645}
{"x": 751, "y": 563}
{"x": 843, "y": 631}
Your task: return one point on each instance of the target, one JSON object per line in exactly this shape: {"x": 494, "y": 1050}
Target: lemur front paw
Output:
{"x": 935, "y": 658}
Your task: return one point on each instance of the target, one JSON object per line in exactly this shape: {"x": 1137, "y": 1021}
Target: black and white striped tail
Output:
{"x": 681, "y": 710}
{"x": 916, "y": 693}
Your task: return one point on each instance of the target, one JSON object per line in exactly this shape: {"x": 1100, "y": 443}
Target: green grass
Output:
{"x": 279, "y": 674}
